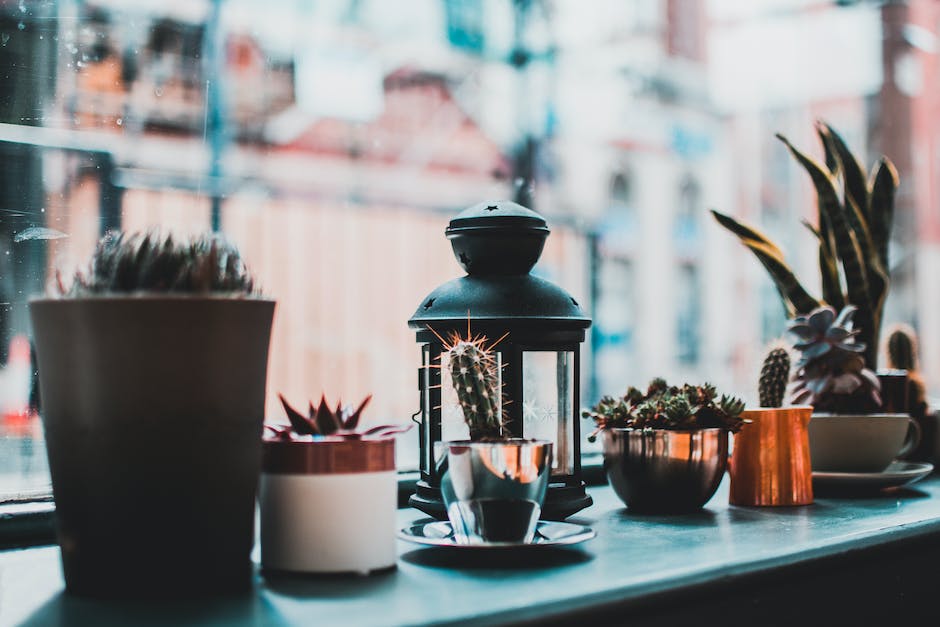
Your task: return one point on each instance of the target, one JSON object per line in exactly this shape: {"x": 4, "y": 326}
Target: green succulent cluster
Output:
{"x": 853, "y": 230}
{"x": 663, "y": 406}
{"x": 151, "y": 262}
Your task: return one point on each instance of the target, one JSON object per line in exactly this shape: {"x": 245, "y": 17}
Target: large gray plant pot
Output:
{"x": 152, "y": 409}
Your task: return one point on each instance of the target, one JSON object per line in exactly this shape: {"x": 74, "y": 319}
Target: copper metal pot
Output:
{"x": 770, "y": 460}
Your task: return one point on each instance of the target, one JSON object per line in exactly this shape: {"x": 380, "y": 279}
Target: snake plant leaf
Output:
{"x": 828, "y": 270}
{"x": 795, "y": 298}
{"x": 853, "y": 175}
{"x": 832, "y": 161}
{"x": 745, "y": 232}
{"x": 881, "y": 207}
{"x": 847, "y": 245}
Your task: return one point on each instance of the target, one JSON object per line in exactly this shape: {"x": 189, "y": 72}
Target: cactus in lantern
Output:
{"x": 774, "y": 374}
{"x": 475, "y": 377}
{"x": 853, "y": 232}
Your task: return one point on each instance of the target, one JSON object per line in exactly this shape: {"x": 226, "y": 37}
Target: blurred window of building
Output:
{"x": 332, "y": 141}
{"x": 688, "y": 314}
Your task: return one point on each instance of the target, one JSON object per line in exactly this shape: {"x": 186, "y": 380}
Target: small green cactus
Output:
{"x": 902, "y": 348}
{"x": 476, "y": 380}
{"x": 774, "y": 375}
{"x": 151, "y": 262}
{"x": 903, "y": 355}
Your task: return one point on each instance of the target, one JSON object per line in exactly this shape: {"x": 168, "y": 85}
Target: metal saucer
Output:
{"x": 547, "y": 533}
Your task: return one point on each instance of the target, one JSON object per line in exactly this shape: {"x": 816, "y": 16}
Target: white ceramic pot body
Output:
{"x": 328, "y": 506}
{"x": 860, "y": 442}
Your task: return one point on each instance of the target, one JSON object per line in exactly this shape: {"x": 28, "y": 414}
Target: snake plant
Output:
{"x": 853, "y": 227}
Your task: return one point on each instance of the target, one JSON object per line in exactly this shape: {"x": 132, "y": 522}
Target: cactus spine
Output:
{"x": 475, "y": 376}
{"x": 773, "y": 377}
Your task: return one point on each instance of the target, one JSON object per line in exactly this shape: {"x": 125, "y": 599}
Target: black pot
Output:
{"x": 152, "y": 411}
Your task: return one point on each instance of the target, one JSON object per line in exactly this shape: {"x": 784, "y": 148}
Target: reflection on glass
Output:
{"x": 547, "y": 390}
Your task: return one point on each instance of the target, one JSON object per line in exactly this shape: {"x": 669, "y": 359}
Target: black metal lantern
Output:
{"x": 498, "y": 244}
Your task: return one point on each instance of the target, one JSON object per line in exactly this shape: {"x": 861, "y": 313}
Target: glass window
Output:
{"x": 333, "y": 140}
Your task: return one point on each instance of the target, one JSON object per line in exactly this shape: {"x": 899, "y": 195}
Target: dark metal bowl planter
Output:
{"x": 666, "y": 448}
{"x": 664, "y": 471}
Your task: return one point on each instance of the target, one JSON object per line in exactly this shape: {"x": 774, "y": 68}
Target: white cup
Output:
{"x": 860, "y": 443}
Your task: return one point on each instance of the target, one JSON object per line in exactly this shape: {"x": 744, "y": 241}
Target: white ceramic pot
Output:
{"x": 328, "y": 505}
{"x": 860, "y": 442}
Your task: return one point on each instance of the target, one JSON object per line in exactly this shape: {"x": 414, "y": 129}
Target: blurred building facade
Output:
{"x": 353, "y": 131}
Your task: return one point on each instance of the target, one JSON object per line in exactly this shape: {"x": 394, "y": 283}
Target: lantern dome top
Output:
{"x": 499, "y": 237}
{"x": 498, "y": 243}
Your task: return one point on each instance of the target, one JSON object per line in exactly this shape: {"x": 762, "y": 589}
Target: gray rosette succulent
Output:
{"x": 831, "y": 374}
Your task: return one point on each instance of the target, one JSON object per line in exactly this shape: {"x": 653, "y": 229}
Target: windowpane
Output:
{"x": 332, "y": 141}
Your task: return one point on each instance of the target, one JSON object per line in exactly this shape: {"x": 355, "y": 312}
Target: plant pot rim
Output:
{"x": 810, "y": 407}
{"x": 510, "y": 441}
{"x": 321, "y": 440}
{"x": 879, "y": 414}
{"x": 327, "y": 456}
{"x": 151, "y": 296}
{"x": 662, "y": 430}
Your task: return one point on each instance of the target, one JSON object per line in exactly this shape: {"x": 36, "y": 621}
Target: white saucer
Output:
{"x": 898, "y": 473}
{"x": 440, "y": 533}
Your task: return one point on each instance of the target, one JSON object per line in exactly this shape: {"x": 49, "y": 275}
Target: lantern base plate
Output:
{"x": 561, "y": 501}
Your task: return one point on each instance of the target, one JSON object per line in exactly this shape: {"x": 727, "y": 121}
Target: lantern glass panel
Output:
{"x": 547, "y": 393}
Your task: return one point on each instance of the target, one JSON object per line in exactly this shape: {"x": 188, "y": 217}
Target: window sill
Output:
{"x": 850, "y": 560}
{"x": 28, "y": 522}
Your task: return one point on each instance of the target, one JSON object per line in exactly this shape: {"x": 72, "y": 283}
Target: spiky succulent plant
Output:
{"x": 774, "y": 375}
{"x": 831, "y": 374}
{"x": 152, "y": 262}
{"x": 475, "y": 376}
{"x": 662, "y": 406}
{"x": 853, "y": 230}
{"x": 342, "y": 422}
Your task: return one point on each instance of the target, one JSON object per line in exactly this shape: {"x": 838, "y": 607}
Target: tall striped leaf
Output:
{"x": 847, "y": 246}
{"x": 795, "y": 298}
{"x": 832, "y": 161}
{"x": 853, "y": 174}
{"x": 881, "y": 207}
{"x": 745, "y": 232}
{"x": 828, "y": 271}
